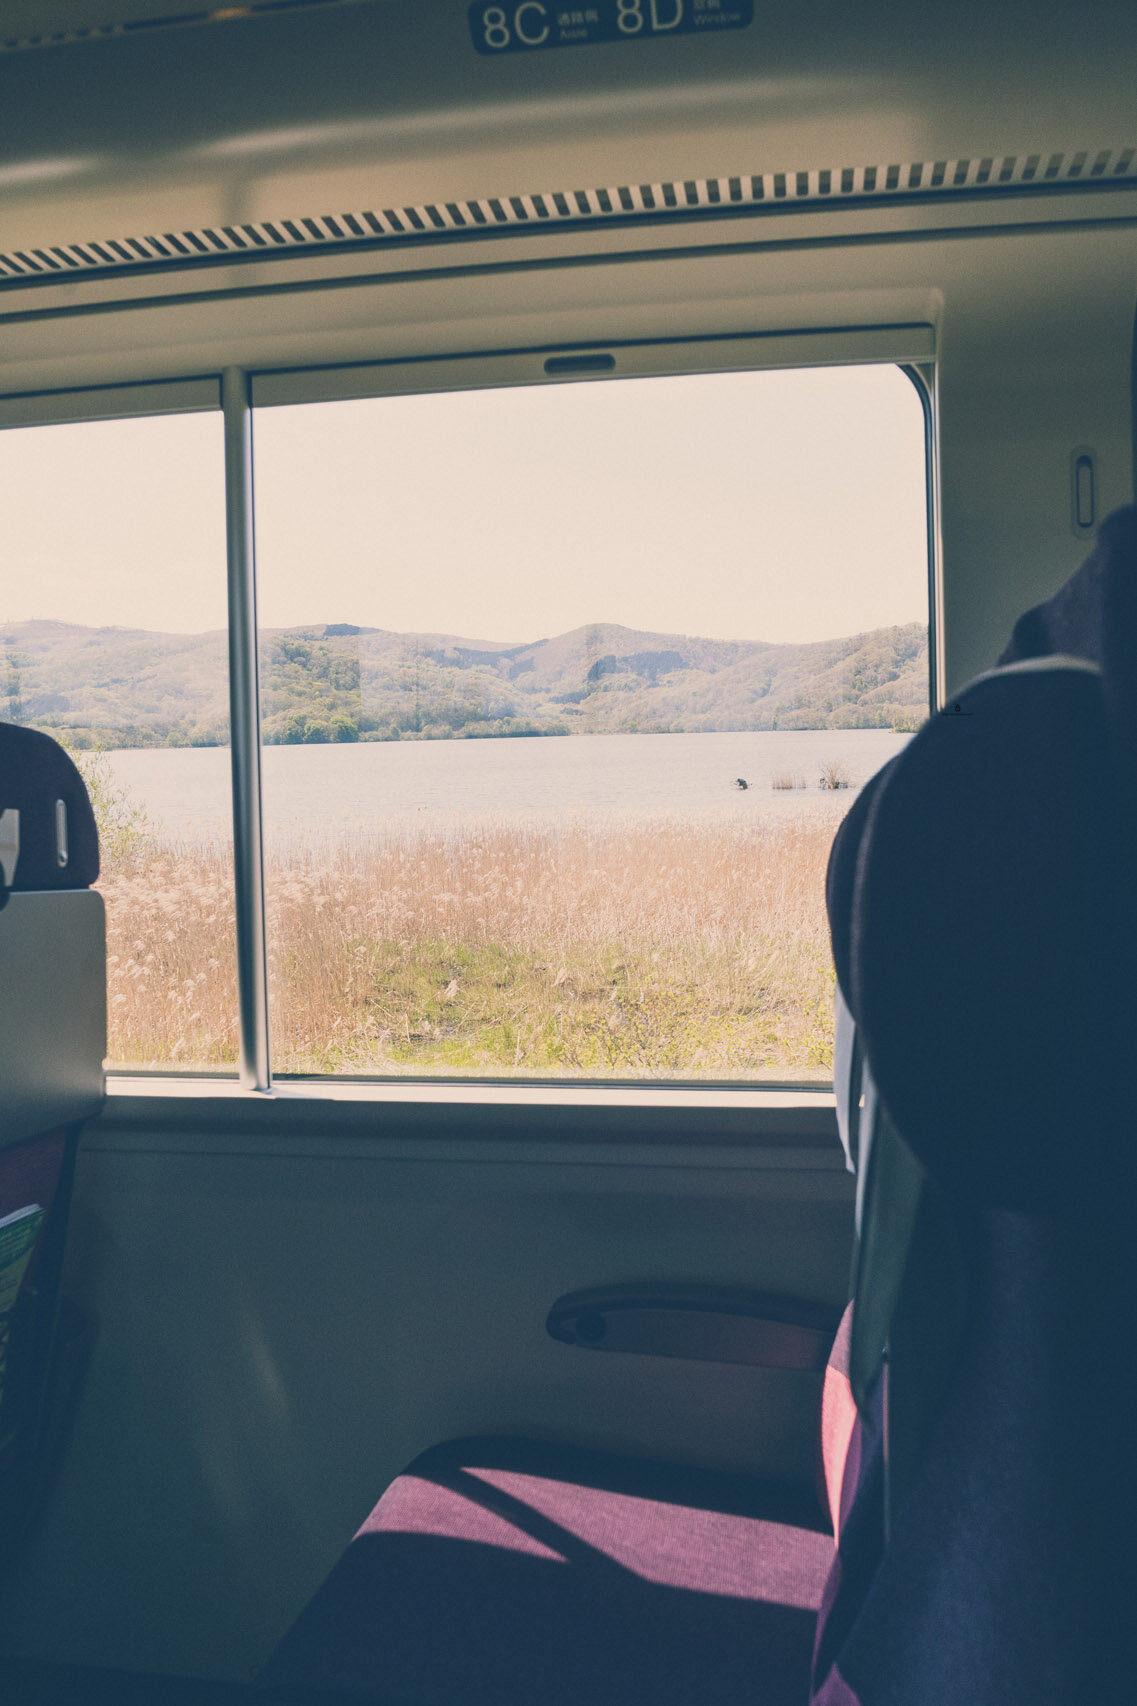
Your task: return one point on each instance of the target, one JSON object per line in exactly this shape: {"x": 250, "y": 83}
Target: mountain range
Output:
{"x": 118, "y": 687}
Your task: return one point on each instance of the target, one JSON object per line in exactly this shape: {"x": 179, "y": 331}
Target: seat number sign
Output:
{"x": 526, "y": 26}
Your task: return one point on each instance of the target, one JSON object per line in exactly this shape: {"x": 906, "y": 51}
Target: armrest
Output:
{"x": 702, "y": 1323}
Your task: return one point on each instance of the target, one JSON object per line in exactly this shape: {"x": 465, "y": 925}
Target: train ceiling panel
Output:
{"x": 173, "y": 131}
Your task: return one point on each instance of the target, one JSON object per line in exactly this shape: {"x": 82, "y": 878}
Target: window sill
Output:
{"x": 795, "y": 1127}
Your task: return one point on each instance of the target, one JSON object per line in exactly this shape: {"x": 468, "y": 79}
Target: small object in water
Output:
{"x": 741, "y": 782}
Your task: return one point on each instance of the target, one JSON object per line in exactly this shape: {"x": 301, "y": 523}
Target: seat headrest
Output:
{"x": 48, "y": 838}
{"x": 983, "y": 927}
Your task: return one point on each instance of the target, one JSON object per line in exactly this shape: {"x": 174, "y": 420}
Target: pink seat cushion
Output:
{"x": 505, "y": 1571}
{"x": 839, "y": 1449}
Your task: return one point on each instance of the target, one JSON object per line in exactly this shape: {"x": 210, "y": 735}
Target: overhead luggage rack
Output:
{"x": 767, "y": 191}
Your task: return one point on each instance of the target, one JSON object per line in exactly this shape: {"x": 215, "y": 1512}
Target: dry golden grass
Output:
{"x": 665, "y": 949}
{"x": 171, "y": 959}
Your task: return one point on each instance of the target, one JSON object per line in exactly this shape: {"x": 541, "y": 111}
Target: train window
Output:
{"x": 114, "y": 642}
{"x": 564, "y": 688}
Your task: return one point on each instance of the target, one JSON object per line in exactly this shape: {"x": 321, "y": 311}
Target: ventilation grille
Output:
{"x": 567, "y": 207}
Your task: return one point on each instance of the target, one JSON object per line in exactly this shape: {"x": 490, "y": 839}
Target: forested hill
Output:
{"x": 128, "y": 687}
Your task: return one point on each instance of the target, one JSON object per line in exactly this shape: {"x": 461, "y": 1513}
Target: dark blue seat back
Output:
{"x": 52, "y": 961}
{"x": 58, "y": 841}
{"x": 984, "y": 924}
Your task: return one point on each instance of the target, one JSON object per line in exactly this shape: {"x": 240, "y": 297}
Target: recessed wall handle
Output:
{"x": 595, "y": 361}
{"x": 1083, "y": 491}
{"x": 702, "y": 1324}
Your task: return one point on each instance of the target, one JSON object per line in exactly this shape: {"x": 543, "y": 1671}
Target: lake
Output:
{"x": 338, "y": 793}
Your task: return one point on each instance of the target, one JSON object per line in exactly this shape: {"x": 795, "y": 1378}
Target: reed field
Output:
{"x": 644, "y": 949}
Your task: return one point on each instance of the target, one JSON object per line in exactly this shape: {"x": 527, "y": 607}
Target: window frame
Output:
{"x": 131, "y": 401}
{"x": 237, "y": 393}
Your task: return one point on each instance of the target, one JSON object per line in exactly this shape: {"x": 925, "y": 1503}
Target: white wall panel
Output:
{"x": 281, "y": 1331}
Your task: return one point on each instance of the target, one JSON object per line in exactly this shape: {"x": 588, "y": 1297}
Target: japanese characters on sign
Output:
{"x": 523, "y": 26}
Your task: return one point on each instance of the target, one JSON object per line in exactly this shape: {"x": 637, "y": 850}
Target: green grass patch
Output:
{"x": 763, "y": 1010}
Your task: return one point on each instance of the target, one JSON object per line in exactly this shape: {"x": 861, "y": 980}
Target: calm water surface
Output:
{"x": 338, "y": 793}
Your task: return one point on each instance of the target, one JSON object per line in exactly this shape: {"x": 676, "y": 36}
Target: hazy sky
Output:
{"x": 775, "y": 506}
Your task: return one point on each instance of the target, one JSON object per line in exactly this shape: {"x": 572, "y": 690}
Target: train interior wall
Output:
{"x": 294, "y": 1296}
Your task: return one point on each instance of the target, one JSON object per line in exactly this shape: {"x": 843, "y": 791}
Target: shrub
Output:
{"x": 123, "y": 826}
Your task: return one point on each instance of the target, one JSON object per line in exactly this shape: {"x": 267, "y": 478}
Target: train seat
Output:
{"x": 52, "y": 1044}
{"x": 509, "y": 1570}
{"x": 984, "y": 929}
{"x": 983, "y": 932}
